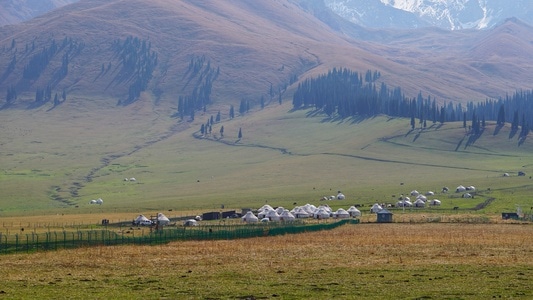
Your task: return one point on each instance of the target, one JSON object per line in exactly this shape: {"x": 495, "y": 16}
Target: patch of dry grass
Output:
{"x": 326, "y": 264}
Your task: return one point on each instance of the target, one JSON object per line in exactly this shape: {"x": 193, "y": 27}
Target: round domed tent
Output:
{"x": 375, "y": 208}
{"x": 321, "y": 214}
{"x": 414, "y": 193}
{"x": 263, "y": 213}
{"x": 420, "y": 203}
{"x": 249, "y": 217}
{"x": 286, "y": 215}
{"x": 404, "y": 203}
{"x": 354, "y": 212}
{"x": 280, "y": 210}
{"x": 272, "y": 215}
{"x": 265, "y": 207}
{"x": 190, "y": 222}
{"x": 435, "y": 202}
{"x": 341, "y": 213}
{"x": 141, "y": 220}
{"x": 421, "y": 197}
{"x": 460, "y": 189}
{"x": 162, "y": 219}
{"x": 340, "y": 196}
{"x": 299, "y": 213}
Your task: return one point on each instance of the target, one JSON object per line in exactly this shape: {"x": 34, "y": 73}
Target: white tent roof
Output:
{"x": 272, "y": 215}
{"x": 420, "y": 203}
{"x": 163, "y": 220}
{"x": 354, "y": 212}
{"x": 321, "y": 214}
{"x": 287, "y": 216}
{"x": 141, "y": 218}
{"x": 375, "y": 208}
{"x": 249, "y": 217}
{"x": 190, "y": 222}
{"x": 264, "y": 207}
{"x": 341, "y": 213}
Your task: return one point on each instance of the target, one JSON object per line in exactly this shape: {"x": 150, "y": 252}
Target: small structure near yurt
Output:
{"x": 162, "y": 219}
{"x": 384, "y": 216}
{"x": 375, "y": 208}
{"x": 214, "y": 215}
{"x": 509, "y": 215}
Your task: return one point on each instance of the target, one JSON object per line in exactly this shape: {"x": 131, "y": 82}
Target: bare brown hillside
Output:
{"x": 245, "y": 49}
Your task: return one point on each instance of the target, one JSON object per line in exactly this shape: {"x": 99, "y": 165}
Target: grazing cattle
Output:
{"x": 455, "y": 207}
{"x": 445, "y": 189}
{"x": 506, "y": 175}
{"x": 520, "y": 173}
{"x": 467, "y": 195}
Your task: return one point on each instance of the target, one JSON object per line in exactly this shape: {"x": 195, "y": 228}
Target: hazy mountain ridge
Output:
{"x": 256, "y": 49}
{"x": 448, "y": 14}
{"x": 17, "y": 11}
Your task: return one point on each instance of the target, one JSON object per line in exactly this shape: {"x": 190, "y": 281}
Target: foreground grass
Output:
{"x": 367, "y": 261}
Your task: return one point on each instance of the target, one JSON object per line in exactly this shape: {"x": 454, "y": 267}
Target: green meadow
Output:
{"x": 55, "y": 163}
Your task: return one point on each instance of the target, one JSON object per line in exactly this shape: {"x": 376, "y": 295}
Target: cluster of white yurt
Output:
{"x": 421, "y": 200}
{"x": 340, "y": 196}
{"x": 468, "y": 190}
{"x": 98, "y": 201}
{"x": 267, "y": 213}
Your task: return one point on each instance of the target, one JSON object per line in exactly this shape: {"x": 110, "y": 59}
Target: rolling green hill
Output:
{"x": 57, "y": 163}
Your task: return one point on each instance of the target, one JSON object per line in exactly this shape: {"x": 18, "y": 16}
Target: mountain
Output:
{"x": 17, "y": 11}
{"x": 205, "y": 52}
{"x": 447, "y": 14}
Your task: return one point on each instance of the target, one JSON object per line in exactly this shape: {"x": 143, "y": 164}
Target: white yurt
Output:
{"x": 421, "y": 197}
{"x": 341, "y": 213}
{"x": 375, "y": 208}
{"x": 286, "y": 215}
{"x": 272, "y": 215}
{"x": 467, "y": 195}
{"x": 404, "y": 203}
{"x": 99, "y": 201}
{"x": 141, "y": 219}
{"x": 430, "y": 193}
{"x": 249, "y": 217}
{"x": 460, "y": 189}
{"x": 190, "y": 222}
{"x": 309, "y": 208}
{"x": 435, "y": 202}
{"x": 265, "y": 207}
{"x": 354, "y": 212}
{"x": 471, "y": 188}
{"x": 263, "y": 213}
{"x": 321, "y": 214}
{"x": 280, "y": 210}
{"x": 299, "y": 213}
{"x": 162, "y": 219}
{"x": 414, "y": 193}
{"x": 420, "y": 203}
{"x": 340, "y": 196}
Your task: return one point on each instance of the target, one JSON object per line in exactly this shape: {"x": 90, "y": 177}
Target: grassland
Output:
{"x": 53, "y": 163}
{"x": 366, "y": 261}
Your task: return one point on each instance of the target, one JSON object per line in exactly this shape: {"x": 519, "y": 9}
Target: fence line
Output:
{"x": 53, "y": 240}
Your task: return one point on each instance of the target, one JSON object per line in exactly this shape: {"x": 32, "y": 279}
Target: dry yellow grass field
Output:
{"x": 366, "y": 261}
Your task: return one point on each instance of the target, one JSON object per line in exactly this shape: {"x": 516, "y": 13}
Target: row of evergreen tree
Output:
{"x": 344, "y": 93}
{"x": 138, "y": 63}
{"x": 201, "y": 75}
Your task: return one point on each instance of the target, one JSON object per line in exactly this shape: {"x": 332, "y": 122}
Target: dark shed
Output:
{"x": 384, "y": 216}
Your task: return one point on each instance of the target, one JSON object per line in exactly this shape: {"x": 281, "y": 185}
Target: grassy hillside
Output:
{"x": 57, "y": 163}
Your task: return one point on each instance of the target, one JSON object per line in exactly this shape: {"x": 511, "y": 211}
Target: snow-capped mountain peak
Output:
{"x": 449, "y": 14}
